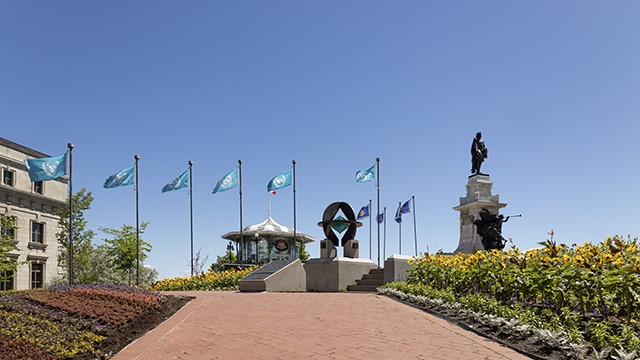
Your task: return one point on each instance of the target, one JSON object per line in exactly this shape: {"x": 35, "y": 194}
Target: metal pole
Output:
{"x": 415, "y": 234}
{"x": 136, "y": 158}
{"x": 295, "y": 228}
{"x": 378, "y": 203}
{"x": 240, "y": 192}
{"x": 191, "y": 209}
{"x": 400, "y": 229}
{"x": 70, "y": 146}
{"x": 370, "y": 244}
{"x": 295, "y": 225}
{"x": 384, "y": 247}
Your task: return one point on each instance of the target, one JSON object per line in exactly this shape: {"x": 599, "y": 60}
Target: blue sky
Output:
{"x": 553, "y": 86}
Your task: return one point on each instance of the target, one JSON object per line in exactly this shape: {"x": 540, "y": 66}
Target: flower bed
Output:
{"x": 14, "y": 349}
{"x": 102, "y": 304}
{"x": 225, "y": 280}
{"x": 63, "y": 321}
{"x": 588, "y": 292}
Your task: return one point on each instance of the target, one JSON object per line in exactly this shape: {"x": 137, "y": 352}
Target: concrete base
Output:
{"x": 351, "y": 249}
{"x": 478, "y": 197}
{"x": 335, "y": 274}
{"x": 396, "y": 268}
{"x": 327, "y": 249}
{"x": 290, "y": 278}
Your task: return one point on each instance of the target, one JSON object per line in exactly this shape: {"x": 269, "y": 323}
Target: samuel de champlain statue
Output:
{"x": 480, "y": 221}
{"x": 479, "y": 152}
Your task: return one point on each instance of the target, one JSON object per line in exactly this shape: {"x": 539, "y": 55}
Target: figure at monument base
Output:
{"x": 479, "y": 199}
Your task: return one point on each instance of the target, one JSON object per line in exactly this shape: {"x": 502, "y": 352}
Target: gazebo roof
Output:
{"x": 270, "y": 228}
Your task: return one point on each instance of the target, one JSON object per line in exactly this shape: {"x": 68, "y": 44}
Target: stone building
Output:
{"x": 35, "y": 206}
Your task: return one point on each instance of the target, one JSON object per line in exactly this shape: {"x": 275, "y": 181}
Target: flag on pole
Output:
{"x": 280, "y": 181}
{"x": 123, "y": 177}
{"x": 380, "y": 218}
{"x": 227, "y": 182}
{"x": 43, "y": 169}
{"x": 364, "y": 212}
{"x": 366, "y": 175}
{"x": 177, "y": 183}
{"x": 406, "y": 207}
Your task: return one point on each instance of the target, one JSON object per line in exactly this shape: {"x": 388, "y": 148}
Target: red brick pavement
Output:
{"x": 231, "y": 325}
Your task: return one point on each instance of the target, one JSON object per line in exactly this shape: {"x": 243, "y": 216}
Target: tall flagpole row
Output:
{"x": 378, "y": 204}
{"x": 136, "y": 158}
{"x": 295, "y": 228}
{"x": 70, "y": 146}
{"x": 191, "y": 209}
{"x": 415, "y": 234}
{"x": 240, "y": 192}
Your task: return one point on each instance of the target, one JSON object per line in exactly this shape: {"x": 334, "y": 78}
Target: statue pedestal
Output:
{"x": 478, "y": 197}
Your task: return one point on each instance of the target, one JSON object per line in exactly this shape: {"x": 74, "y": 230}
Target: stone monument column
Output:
{"x": 478, "y": 197}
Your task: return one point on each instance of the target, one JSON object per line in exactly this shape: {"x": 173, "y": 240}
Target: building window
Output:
{"x": 9, "y": 233}
{"x": 37, "y": 187}
{"x": 6, "y": 280}
{"x": 37, "y": 275}
{"x": 37, "y": 232}
{"x": 8, "y": 177}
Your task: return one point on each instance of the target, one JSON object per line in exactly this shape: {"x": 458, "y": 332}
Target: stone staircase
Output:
{"x": 369, "y": 282}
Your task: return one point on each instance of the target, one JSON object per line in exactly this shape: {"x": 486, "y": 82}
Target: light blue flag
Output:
{"x": 123, "y": 177}
{"x": 177, "y": 183}
{"x": 280, "y": 181}
{"x": 363, "y": 176}
{"x": 228, "y": 182}
{"x": 43, "y": 169}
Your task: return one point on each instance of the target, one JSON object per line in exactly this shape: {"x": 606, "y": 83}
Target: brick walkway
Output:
{"x": 231, "y": 325}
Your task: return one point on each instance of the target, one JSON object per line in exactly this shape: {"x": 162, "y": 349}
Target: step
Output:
{"x": 368, "y": 288}
{"x": 376, "y": 271}
{"x": 373, "y": 276}
{"x": 378, "y": 282}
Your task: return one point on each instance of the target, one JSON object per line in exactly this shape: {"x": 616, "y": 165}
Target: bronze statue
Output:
{"x": 478, "y": 153}
{"x": 489, "y": 226}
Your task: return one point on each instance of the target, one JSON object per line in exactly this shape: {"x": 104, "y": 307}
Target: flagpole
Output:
{"x": 295, "y": 229}
{"x": 370, "y": 226}
{"x": 70, "y": 146}
{"x": 136, "y": 158}
{"x": 240, "y": 192}
{"x": 415, "y": 234}
{"x": 378, "y": 203}
{"x": 384, "y": 247}
{"x": 191, "y": 209}
{"x": 400, "y": 229}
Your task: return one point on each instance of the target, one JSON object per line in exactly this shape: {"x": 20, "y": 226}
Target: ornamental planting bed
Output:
{"x": 81, "y": 322}
{"x": 555, "y": 302}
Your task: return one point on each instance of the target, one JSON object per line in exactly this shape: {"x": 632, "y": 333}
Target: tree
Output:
{"x": 82, "y": 239}
{"x": 304, "y": 255}
{"x": 123, "y": 248}
{"x": 199, "y": 262}
{"x": 228, "y": 258}
{"x": 8, "y": 226}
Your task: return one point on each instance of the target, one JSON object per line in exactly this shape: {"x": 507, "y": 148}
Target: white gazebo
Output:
{"x": 272, "y": 240}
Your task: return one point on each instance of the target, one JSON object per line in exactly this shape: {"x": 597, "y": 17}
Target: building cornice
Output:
{"x": 23, "y": 149}
{"x": 8, "y": 191}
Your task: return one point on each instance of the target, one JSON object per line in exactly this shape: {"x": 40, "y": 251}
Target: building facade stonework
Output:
{"x": 35, "y": 206}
